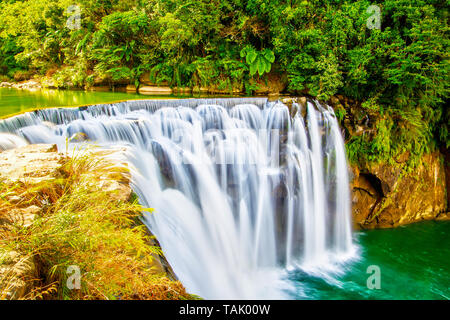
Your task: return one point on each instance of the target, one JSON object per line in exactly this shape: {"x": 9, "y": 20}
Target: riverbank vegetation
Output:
{"x": 397, "y": 75}
{"x": 51, "y": 228}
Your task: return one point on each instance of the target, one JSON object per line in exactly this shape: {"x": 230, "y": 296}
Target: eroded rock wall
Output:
{"x": 385, "y": 196}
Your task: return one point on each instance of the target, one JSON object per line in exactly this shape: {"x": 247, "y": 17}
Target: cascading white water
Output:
{"x": 242, "y": 188}
{"x": 11, "y": 141}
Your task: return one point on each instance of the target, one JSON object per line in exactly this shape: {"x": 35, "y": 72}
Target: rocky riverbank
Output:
{"x": 384, "y": 196}
{"x": 33, "y": 179}
{"x": 39, "y": 188}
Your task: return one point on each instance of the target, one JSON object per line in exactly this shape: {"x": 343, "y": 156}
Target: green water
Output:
{"x": 414, "y": 263}
{"x": 16, "y": 100}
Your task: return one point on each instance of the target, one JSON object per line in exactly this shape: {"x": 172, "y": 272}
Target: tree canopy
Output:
{"x": 321, "y": 48}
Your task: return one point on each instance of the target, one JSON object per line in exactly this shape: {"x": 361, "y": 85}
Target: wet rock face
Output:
{"x": 383, "y": 196}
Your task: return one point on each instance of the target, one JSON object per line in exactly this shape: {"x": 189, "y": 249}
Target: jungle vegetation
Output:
{"x": 399, "y": 72}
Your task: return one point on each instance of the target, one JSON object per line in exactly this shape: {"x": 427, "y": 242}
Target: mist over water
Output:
{"x": 245, "y": 191}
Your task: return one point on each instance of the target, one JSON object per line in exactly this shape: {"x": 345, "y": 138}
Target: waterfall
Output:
{"x": 243, "y": 189}
{"x": 11, "y": 141}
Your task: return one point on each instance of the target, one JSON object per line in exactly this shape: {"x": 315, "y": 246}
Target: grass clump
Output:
{"x": 79, "y": 224}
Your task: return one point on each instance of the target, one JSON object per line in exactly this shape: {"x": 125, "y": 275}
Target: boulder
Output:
{"x": 11, "y": 141}
{"x": 155, "y": 90}
{"x": 144, "y": 79}
{"x": 6, "y": 85}
{"x": 23, "y": 217}
{"x": 384, "y": 196}
{"x": 36, "y": 163}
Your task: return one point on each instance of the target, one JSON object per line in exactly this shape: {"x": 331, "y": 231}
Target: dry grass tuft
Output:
{"x": 80, "y": 224}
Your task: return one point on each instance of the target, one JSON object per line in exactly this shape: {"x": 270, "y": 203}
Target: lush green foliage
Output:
{"x": 260, "y": 61}
{"x": 322, "y": 48}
